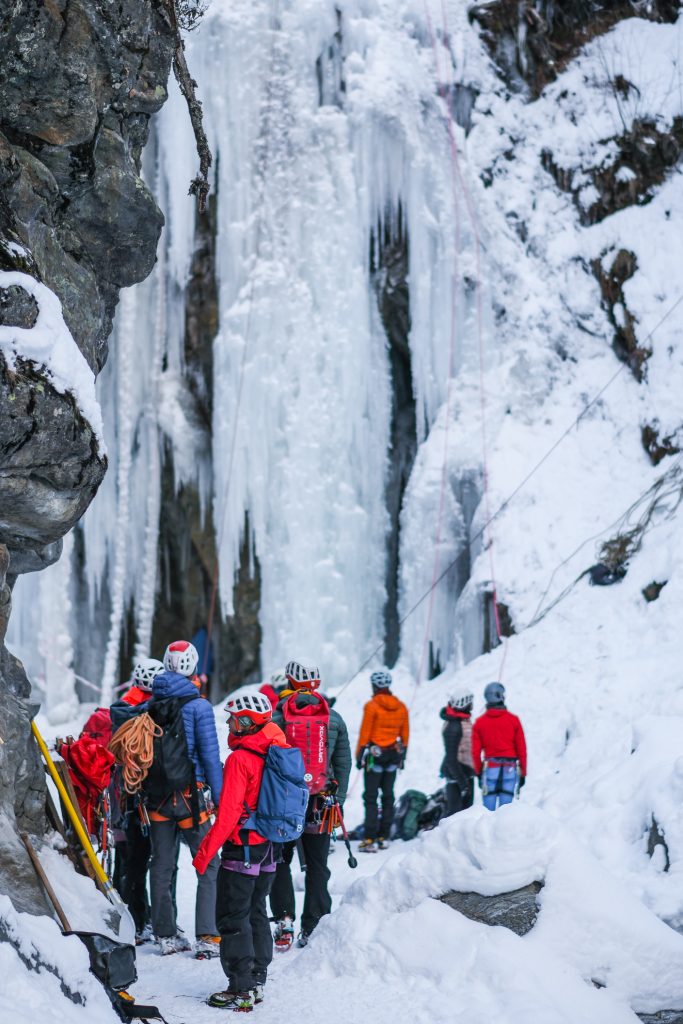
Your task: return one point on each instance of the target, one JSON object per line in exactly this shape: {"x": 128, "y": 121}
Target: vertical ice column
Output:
{"x": 300, "y": 388}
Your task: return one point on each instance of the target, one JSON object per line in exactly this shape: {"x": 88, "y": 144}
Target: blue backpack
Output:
{"x": 280, "y": 811}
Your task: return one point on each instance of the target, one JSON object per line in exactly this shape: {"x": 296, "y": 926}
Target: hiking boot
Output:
{"x": 182, "y": 942}
{"x": 166, "y": 944}
{"x": 241, "y": 1002}
{"x": 303, "y": 939}
{"x": 382, "y": 844}
{"x": 258, "y": 992}
{"x": 367, "y": 846}
{"x": 144, "y": 936}
{"x": 207, "y": 946}
{"x": 283, "y": 936}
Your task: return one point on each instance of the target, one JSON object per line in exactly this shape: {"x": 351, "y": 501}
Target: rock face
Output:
{"x": 515, "y": 910}
{"x": 79, "y": 80}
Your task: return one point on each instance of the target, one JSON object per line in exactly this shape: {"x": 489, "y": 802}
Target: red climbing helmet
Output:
{"x": 250, "y": 709}
{"x": 181, "y": 656}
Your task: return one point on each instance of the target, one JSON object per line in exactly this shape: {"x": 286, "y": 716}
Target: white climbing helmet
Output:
{"x": 461, "y": 699}
{"x": 250, "y": 709}
{"x": 381, "y": 680}
{"x": 278, "y": 680}
{"x": 145, "y": 672}
{"x": 181, "y": 657}
{"x": 302, "y": 678}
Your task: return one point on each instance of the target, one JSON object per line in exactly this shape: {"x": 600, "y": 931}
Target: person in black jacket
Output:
{"x": 457, "y": 767}
{"x": 315, "y": 845}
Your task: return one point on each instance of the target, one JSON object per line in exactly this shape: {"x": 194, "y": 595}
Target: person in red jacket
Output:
{"x": 247, "y": 859}
{"x": 498, "y": 750}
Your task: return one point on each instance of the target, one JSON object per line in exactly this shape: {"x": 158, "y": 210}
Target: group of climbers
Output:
{"x": 172, "y": 788}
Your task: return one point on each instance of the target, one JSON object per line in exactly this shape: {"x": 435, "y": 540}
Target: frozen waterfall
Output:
{"x": 330, "y": 122}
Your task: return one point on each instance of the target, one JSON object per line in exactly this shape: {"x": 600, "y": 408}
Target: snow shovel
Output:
{"x": 119, "y": 918}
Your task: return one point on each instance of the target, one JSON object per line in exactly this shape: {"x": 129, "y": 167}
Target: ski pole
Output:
{"x": 352, "y": 862}
{"x": 100, "y": 874}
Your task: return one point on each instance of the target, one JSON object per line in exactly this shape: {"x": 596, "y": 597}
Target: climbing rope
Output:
{"x": 133, "y": 747}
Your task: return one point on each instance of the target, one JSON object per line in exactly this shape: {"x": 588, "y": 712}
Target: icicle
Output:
{"x": 54, "y": 640}
{"x": 145, "y": 595}
{"x": 125, "y": 411}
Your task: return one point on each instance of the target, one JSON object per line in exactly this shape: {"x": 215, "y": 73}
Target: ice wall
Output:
{"x": 324, "y": 118}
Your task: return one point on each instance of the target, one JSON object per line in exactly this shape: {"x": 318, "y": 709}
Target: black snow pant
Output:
{"x": 317, "y": 899}
{"x": 244, "y": 928}
{"x": 137, "y": 852}
{"x": 459, "y": 798}
{"x": 377, "y": 782}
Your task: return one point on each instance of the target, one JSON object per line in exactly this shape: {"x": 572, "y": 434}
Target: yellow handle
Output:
{"x": 71, "y": 811}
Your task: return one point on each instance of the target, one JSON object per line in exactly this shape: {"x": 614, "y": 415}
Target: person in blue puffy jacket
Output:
{"x": 179, "y": 815}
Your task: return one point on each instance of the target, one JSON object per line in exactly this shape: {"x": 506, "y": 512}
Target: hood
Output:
{"x": 136, "y": 695}
{"x": 387, "y": 701}
{"x": 172, "y": 684}
{"x": 447, "y": 713}
{"x": 270, "y": 735}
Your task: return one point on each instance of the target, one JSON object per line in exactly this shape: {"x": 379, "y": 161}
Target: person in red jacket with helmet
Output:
{"x": 498, "y": 750}
{"x": 247, "y": 859}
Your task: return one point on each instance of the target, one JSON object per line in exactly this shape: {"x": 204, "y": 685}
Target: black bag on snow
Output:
{"x": 433, "y": 811}
{"x": 172, "y": 769}
{"x": 407, "y": 815}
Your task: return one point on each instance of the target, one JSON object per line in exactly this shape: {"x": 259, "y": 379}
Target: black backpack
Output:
{"x": 172, "y": 768}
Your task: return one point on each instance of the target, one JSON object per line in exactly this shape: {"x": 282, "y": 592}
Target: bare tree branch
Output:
{"x": 179, "y": 18}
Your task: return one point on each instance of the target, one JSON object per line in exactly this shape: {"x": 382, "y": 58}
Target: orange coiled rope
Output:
{"x": 133, "y": 748}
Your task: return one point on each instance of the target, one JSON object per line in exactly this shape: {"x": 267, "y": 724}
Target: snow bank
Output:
{"x": 50, "y": 346}
{"x": 41, "y": 968}
{"x": 404, "y": 956}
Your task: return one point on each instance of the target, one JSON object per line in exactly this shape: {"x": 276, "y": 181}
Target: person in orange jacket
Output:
{"x": 381, "y": 750}
{"x": 247, "y": 859}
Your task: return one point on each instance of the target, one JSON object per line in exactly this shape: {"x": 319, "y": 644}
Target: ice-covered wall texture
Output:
{"x": 339, "y": 140}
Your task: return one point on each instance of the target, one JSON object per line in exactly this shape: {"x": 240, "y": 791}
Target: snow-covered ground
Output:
{"x": 596, "y": 676}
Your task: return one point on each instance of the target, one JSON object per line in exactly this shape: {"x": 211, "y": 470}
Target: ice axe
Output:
{"x": 119, "y": 919}
{"x": 352, "y": 862}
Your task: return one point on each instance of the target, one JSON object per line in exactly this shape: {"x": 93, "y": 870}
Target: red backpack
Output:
{"x": 98, "y": 726}
{"x": 306, "y": 728}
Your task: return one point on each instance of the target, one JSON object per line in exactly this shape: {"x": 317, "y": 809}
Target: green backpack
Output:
{"x": 407, "y": 814}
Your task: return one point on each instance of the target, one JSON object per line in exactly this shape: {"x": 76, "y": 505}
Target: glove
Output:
{"x": 332, "y": 787}
{"x": 359, "y": 763}
{"x": 479, "y": 781}
{"x": 522, "y": 780}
